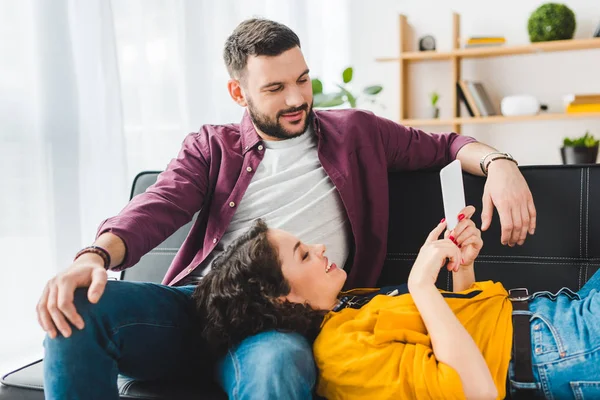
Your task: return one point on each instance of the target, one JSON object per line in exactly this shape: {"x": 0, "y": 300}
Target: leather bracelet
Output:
{"x": 95, "y": 250}
{"x": 482, "y": 161}
{"x": 500, "y": 158}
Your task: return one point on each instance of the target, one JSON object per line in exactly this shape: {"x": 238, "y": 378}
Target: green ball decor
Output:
{"x": 551, "y": 21}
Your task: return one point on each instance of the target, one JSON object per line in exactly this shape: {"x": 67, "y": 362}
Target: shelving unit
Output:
{"x": 456, "y": 55}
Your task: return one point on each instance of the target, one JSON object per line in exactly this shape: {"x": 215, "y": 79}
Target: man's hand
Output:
{"x": 56, "y": 309}
{"x": 507, "y": 190}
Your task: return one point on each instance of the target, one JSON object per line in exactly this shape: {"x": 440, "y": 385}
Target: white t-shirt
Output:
{"x": 291, "y": 191}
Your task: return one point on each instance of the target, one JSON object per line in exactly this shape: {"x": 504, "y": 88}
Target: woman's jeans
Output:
{"x": 565, "y": 348}
{"x": 146, "y": 331}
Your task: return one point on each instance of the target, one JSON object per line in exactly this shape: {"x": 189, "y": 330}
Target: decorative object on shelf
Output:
{"x": 582, "y": 103}
{"x": 329, "y": 100}
{"x": 551, "y": 21}
{"x": 582, "y": 150}
{"x": 435, "y": 110}
{"x": 523, "y": 104}
{"x": 597, "y": 32}
{"x": 485, "y": 41}
{"x": 427, "y": 43}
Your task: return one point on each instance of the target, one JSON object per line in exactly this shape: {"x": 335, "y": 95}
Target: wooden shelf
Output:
{"x": 497, "y": 119}
{"x": 455, "y": 56}
{"x": 495, "y": 51}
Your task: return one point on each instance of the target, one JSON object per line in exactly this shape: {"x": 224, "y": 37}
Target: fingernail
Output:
{"x": 442, "y": 221}
{"x": 461, "y": 217}
{"x": 451, "y": 238}
{"x": 460, "y": 246}
{"x": 462, "y": 260}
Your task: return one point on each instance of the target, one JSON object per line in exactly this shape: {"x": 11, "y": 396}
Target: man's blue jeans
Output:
{"x": 146, "y": 331}
{"x": 565, "y": 348}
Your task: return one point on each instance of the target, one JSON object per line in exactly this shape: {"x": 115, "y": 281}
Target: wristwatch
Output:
{"x": 495, "y": 156}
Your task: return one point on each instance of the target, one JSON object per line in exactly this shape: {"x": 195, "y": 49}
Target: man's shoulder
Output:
{"x": 346, "y": 115}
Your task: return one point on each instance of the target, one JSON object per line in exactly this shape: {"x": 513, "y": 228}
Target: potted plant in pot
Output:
{"x": 345, "y": 95}
{"x": 582, "y": 150}
{"x": 435, "y": 110}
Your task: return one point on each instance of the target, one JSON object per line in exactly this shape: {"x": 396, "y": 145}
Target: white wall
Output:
{"x": 546, "y": 76}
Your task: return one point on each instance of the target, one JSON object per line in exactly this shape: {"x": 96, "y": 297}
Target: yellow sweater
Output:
{"x": 383, "y": 350}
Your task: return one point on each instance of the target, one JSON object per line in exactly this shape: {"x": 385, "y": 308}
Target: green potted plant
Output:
{"x": 551, "y": 21}
{"x": 435, "y": 110}
{"x": 345, "y": 95}
{"x": 582, "y": 150}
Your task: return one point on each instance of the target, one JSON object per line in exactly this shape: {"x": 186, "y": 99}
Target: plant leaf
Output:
{"x": 317, "y": 86}
{"x": 349, "y": 96}
{"x": 322, "y": 100}
{"x": 347, "y": 74}
{"x": 373, "y": 90}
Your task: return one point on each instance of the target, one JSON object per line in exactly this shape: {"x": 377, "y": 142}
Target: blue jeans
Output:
{"x": 146, "y": 331}
{"x": 565, "y": 348}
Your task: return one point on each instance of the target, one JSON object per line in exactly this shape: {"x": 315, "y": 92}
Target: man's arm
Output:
{"x": 151, "y": 217}
{"x": 506, "y": 189}
{"x": 408, "y": 148}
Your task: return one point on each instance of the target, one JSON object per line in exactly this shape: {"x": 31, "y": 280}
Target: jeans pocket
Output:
{"x": 545, "y": 338}
{"x": 586, "y": 390}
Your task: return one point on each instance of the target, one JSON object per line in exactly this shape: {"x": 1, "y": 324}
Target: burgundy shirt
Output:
{"x": 215, "y": 166}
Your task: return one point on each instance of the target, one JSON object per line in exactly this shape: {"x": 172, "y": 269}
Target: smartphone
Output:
{"x": 453, "y": 192}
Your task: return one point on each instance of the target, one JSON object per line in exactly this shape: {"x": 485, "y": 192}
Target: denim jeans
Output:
{"x": 146, "y": 331}
{"x": 565, "y": 348}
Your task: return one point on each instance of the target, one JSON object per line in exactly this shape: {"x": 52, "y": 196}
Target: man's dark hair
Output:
{"x": 256, "y": 37}
{"x": 240, "y": 296}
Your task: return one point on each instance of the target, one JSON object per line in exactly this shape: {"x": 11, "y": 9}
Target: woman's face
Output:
{"x": 312, "y": 278}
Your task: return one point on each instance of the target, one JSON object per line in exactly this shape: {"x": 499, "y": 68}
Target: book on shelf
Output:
{"x": 582, "y": 99}
{"x": 465, "y": 95}
{"x": 483, "y": 41}
{"x": 482, "y": 99}
{"x": 582, "y": 108}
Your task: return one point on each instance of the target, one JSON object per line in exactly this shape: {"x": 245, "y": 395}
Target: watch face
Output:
{"x": 427, "y": 43}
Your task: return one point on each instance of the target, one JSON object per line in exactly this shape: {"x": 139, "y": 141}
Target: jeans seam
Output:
{"x": 544, "y": 383}
{"x": 118, "y": 328}
{"x": 236, "y": 369}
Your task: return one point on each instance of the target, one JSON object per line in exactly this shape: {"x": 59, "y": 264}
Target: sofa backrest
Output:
{"x": 565, "y": 250}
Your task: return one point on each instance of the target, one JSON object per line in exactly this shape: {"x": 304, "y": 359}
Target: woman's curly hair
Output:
{"x": 241, "y": 295}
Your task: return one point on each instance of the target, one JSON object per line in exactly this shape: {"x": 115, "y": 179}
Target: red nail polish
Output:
{"x": 461, "y": 217}
{"x": 452, "y": 238}
{"x": 442, "y": 221}
{"x": 460, "y": 246}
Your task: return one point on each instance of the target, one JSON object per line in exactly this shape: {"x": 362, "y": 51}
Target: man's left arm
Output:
{"x": 506, "y": 189}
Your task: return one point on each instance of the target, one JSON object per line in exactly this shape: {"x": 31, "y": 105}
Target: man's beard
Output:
{"x": 274, "y": 128}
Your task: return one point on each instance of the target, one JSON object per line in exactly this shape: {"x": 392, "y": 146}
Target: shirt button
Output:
{"x": 190, "y": 270}
{"x": 538, "y": 350}
{"x": 232, "y": 204}
{"x": 249, "y": 169}
{"x": 215, "y": 240}
{"x": 260, "y": 147}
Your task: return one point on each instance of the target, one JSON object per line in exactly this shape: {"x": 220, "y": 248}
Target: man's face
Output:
{"x": 278, "y": 92}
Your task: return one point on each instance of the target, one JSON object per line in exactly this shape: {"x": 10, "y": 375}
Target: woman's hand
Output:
{"x": 433, "y": 256}
{"x": 467, "y": 237}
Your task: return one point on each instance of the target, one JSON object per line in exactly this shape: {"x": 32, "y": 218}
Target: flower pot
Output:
{"x": 435, "y": 112}
{"x": 579, "y": 155}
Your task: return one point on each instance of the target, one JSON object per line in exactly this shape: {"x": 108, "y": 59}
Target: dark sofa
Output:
{"x": 565, "y": 251}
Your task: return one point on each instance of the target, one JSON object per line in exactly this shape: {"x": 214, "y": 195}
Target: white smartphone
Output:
{"x": 453, "y": 192}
